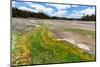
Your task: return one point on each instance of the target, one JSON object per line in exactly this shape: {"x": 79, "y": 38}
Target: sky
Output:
{"x": 58, "y": 10}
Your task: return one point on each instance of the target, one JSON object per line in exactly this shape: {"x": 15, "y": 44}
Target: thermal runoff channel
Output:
{"x": 46, "y": 33}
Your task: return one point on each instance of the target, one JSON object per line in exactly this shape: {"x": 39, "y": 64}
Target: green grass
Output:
{"x": 43, "y": 47}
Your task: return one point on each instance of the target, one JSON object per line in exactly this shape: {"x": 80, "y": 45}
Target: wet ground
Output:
{"x": 60, "y": 30}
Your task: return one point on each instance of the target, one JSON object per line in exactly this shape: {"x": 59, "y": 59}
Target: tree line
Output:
{"x": 89, "y": 17}
{"x": 28, "y": 14}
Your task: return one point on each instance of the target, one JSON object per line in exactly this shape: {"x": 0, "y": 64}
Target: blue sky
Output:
{"x": 59, "y": 10}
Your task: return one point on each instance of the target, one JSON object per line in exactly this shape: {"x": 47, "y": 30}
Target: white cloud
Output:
{"x": 88, "y": 11}
{"x": 59, "y": 6}
{"x": 40, "y": 8}
{"x": 79, "y": 14}
{"x": 88, "y": 2}
{"x": 13, "y": 3}
{"x": 29, "y": 3}
{"x": 36, "y": 7}
{"x": 60, "y": 13}
{"x": 74, "y": 5}
{"x": 28, "y": 9}
{"x": 75, "y": 15}
{"x": 48, "y": 10}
